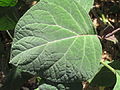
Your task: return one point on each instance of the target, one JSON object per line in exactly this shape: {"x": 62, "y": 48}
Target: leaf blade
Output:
{"x": 4, "y": 3}
{"x": 117, "y": 85}
{"x": 51, "y": 37}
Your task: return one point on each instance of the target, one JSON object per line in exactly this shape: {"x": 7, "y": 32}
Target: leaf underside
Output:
{"x": 56, "y": 40}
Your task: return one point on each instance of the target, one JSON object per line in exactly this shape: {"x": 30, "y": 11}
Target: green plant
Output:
{"x": 8, "y": 2}
{"x": 56, "y": 40}
{"x": 8, "y": 16}
{"x": 7, "y": 20}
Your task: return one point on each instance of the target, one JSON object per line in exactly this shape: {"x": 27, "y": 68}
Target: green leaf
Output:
{"x": 56, "y": 40}
{"x": 117, "y": 85}
{"x": 105, "y": 77}
{"x": 86, "y": 4}
{"x": 8, "y": 2}
{"x": 7, "y": 18}
{"x": 46, "y": 87}
{"x": 6, "y": 23}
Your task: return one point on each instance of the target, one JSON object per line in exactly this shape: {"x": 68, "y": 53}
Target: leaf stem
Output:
{"x": 109, "y": 67}
{"x": 112, "y": 33}
{"x": 9, "y": 34}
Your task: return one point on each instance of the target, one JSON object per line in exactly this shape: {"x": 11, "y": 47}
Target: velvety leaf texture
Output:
{"x": 56, "y": 40}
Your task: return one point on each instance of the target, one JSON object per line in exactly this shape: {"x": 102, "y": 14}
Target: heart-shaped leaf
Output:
{"x": 56, "y": 40}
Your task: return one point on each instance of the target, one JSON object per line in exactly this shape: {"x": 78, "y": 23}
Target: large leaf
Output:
{"x": 56, "y": 40}
{"x": 86, "y": 4}
{"x": 8, "y": 2}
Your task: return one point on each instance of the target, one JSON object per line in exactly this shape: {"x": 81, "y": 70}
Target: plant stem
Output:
{"x": 9, "y": 34}
{"x": 109, "y": 67}
{"x": 112, "y": 33}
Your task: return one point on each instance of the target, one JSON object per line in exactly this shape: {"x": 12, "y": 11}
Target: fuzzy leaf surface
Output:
{"x": 56, "y": 40}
